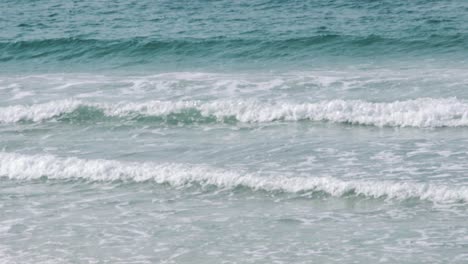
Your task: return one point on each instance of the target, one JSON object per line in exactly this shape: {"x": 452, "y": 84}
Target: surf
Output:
{"x": 418, "y": 113}
{"x": 34, "y": 167}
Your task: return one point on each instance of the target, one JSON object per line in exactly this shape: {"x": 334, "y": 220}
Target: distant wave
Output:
{"x": 422, "y": 112}
{"x": 72, "y": 49}
{"x": 29, "y": 167}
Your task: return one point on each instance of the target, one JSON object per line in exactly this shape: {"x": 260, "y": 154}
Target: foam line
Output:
{"x": 423, "y": 112}
{"x": 29, "y": 167}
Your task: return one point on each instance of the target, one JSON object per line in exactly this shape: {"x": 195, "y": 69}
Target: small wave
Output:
{"x": 30, "y": 167}
{"x": 78, "y": 49}
{"x": 422, "y": 112}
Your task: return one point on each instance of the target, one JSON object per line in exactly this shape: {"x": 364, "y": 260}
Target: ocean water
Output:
{"x": 250, "y": 131}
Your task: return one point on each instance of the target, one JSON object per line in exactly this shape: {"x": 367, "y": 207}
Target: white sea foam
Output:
{"x": 37, "y": 112}
{"x": 27, "y": 167}
{"x": 422, "y": 112}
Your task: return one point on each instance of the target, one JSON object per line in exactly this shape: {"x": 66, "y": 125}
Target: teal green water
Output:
{"x": 233, "y": 131}
{"x": 222, "y": 35}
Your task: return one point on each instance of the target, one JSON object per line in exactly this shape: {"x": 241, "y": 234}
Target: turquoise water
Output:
{"x": 234, "y": 131}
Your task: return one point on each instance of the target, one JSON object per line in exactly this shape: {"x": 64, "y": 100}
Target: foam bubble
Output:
{"x": 27, "y": 167}
{"x": 422, "y": 112}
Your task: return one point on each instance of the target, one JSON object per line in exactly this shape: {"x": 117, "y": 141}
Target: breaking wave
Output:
{"x": 29, "y": 167}
{"x": 422, "y": 112}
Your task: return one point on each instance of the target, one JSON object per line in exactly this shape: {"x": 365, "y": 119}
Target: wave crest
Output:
{"x": 422, "y": 112}
{"x": 17, "y": 166}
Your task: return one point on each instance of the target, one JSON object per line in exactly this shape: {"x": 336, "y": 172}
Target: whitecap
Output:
{"x": 29, "y": 167}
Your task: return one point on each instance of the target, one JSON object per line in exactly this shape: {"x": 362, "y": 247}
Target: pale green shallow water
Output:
{"x": 234, "y": 132}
